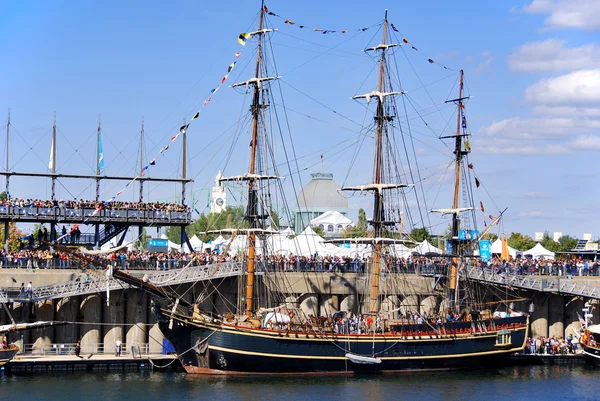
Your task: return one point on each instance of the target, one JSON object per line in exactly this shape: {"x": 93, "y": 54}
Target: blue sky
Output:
{"x": 531, "y": 67}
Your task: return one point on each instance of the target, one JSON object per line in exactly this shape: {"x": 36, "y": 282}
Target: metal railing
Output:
{"x": 75, "y": 215}
{"x": 69, "y": 349}
{"x": 531, "y": 282}
{"x": 102, "y": 282}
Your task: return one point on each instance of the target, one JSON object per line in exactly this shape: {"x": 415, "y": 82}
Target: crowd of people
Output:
{"x": 89, "y": 204}
{"x": 551, "y": 345}
{"x": 140, "y": 260}
{"x": 545, "y": 267}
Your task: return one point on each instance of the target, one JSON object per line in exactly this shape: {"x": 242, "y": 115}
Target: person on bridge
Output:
{"x": 118, "y": 347}
{"x": 30, "y": 290}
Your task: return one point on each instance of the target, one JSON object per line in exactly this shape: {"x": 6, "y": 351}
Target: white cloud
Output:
{"x": 566, "y": 111}
{"x": 552, "y": 55}
{"x": 516, "y": 147}
{"x": 535, "y": 195}
{"x": 533, "y": 213}
{"x": 487, "y": 61}
{"x": 574, "y": 88}
{"x": 538, "y": 128}
{"x": 579, "y": 14}
{"x": 588, "y": 142}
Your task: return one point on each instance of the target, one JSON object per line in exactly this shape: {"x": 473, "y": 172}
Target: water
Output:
{"x": 516, "y": 383}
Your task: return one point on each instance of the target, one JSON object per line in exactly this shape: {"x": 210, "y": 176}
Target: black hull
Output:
{"x": 591, "y": 355}
{"x": 215, "y": 349}
{"x": 7, "y": 355}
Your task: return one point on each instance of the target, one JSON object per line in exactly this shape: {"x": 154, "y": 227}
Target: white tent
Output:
{"x": 497, "y": 248}
{"x": 425, "y": 247}
{"x": 173, "y": 246}
{"x": 539, "y": 251}
{"x": 196, "y": 243}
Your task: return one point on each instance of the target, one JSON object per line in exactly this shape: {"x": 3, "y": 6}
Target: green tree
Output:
{"x": 567, "y": 243}
{"x": 3, "y": 195}
{"x": 319, "y": 231}
{"x": 14, "y": 237}
{"x": 420, "y": 234}
{"x": 549, "y": 243}
{"x": 520, "y": 242}
{"x": 361, "y": 227}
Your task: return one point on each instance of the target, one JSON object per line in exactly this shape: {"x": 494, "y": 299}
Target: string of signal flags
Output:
{"x": 242, "y": 39}
{"x": 182, "y": 130}
{"x": 342, "y": 31}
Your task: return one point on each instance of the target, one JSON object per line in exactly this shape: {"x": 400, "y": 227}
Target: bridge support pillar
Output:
{"x": 44, "y": 311}
{"x": 114, "y": 317}
{"x": 390, "y": 303}
{"x": 539, "y": 318}
{"x": 67, "y": 311}
{"x": 573, "y": 306}
{"x": 349, "y": 304}
{"x": 91, "y": 309}
{"x": 310, "y": 305}
{"x": 556, "y": 316}
{"x": 328, "y": 305}
{"x": 135, "y": 314}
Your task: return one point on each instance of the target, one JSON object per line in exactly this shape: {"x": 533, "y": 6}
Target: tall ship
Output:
{"x": 268, "y": 332}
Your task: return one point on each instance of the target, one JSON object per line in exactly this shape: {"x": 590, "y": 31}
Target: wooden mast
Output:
{"x": 378, "y": 212}
{"x": 252, "y": 210}
{"x": 455, "y": 220}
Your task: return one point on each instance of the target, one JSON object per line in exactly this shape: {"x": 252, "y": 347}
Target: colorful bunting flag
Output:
{"x": 243, "y": 38}
{"x": 471, "y": 166}
{"x": 477, "y": 183}
{"x": 288, "y": 21}
{"x": 481, "y": 206}
{"x": 182, "y": 130}
{"x": 394, "y": 28}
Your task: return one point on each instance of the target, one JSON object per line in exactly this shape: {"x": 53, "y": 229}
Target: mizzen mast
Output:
{"x": 459, "y": 153}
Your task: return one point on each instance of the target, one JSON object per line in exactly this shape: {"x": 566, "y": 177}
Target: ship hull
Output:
{"x": 7, "y": 355}
{"x": 205, "y": 348}
{"x": 591, "y": 355}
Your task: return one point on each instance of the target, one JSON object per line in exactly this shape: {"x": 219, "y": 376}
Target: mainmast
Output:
{"x": 378, "y": 207}
{"x": 459, "y": 153}
{"x": 378, "y": 186}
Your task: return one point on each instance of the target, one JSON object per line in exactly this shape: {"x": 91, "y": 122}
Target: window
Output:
{"x": 330, "y": 228}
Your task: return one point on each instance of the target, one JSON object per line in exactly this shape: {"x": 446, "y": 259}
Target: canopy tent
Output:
{"x": 425, "y": 247}
{"x": 497, "y": 249}
{"x": 539, "y": 251}
{"x": 196, "y": 243}
{"x": 173, "y": 246}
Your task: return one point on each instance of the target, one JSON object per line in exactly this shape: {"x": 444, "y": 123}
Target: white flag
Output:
{"x": 51, "y": 162}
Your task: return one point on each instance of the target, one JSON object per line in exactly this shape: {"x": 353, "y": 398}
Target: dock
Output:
{"x": 90, "y": 362}
{"x": 545, "y": 359}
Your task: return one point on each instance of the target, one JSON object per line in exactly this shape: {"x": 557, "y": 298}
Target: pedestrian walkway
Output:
{"x": 103, "y": 282}
{"x": 536, "y": 283}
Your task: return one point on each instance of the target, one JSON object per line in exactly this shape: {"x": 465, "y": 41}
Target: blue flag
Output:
{"x": 100, "y": 155}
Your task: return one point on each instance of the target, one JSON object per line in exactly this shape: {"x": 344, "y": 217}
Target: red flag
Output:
{"x": 266, "y": 9}
{"x": 321, "y": 157}
{"x": 471, "y": 166}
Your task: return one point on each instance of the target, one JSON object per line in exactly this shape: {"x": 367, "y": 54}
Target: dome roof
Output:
{"x": 321, "y": 193}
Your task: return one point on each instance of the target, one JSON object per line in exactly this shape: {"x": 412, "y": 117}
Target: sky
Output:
{"x": 531, "y": 67}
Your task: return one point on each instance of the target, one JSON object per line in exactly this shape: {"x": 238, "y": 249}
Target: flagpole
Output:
{"x": 97, "y": 226}
{"x": 6, "y": 227}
